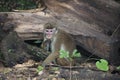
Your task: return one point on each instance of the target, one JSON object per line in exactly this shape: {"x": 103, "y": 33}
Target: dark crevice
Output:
{"x": 119, "y": 51}
{"x": 87, "y": 55}
{"x": 36, "y": 43}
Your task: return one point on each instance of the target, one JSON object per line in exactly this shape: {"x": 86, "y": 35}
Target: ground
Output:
{"x": 26, "y": 71}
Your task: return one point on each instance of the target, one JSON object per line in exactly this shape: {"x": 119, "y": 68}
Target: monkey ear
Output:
{"x": 55, "y": 29}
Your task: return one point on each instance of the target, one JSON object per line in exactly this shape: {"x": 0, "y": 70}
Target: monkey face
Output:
{"x": 49, "y": 33}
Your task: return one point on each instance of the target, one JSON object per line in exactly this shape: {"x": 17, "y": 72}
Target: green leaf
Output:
{"x": 75, "y": 54}
{"x": 39, "y": 68}
{"x": 64, "y": 54}
{"x": 102, "y": 64}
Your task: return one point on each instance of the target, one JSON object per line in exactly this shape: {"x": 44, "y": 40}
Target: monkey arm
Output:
{"x": 50, "y": 58}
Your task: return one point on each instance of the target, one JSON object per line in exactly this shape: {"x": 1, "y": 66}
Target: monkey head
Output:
{"x": 49, "y": 30}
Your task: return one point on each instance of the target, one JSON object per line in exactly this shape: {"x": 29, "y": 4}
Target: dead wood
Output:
{"x": 13, "y": 50}
{"x": 85, "y": 74}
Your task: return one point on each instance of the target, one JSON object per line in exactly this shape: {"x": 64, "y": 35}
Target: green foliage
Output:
{"x": 102, "y": 64}
{"x": 76, "y": 54}
{"x": 24, "y": 4}
{"x": 9, "y": 5}
{"x": 39, "y": 68}
{"x": 65, "y": 54}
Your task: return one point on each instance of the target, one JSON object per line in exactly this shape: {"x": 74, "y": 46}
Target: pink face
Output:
{"x": 49, "y": 33}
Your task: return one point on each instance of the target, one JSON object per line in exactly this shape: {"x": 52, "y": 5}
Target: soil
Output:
{"x": 26, "y": 71}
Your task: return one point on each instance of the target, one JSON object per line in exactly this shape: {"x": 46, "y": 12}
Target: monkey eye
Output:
{"x": 47, "y": 31}
{"x": 51, "y": 31}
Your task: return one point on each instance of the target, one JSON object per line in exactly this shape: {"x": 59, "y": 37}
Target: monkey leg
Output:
{"x": 49, "y": 59}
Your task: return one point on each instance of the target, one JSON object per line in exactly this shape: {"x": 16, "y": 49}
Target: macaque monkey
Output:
{"x": 60, "y": 40}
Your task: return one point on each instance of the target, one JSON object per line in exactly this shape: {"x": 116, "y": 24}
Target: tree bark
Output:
{"x": 13, "y": 50}
{"x": 87, "y": 74}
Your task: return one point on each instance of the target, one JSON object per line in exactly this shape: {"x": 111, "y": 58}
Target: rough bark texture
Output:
{"x": 13, "y": 50}
{"x": 87, "y": 74}
{"x": 93, "y": 24}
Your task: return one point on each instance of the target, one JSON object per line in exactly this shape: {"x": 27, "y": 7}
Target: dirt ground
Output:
{"x": 28, "y": 71}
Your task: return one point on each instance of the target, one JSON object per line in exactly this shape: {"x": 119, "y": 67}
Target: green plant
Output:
{"x": 65, "y": 54}
{"x": 39, "y": 68}
{"x": 102, "y": 64}
{"x": 9, "y": 5}
{"x": 76, "y": 54}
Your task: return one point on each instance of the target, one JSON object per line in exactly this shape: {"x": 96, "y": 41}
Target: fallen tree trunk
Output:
{"x": 13, "y": 50}
{"x": 94, "y": 24}
{"x": 85, "y": 74}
